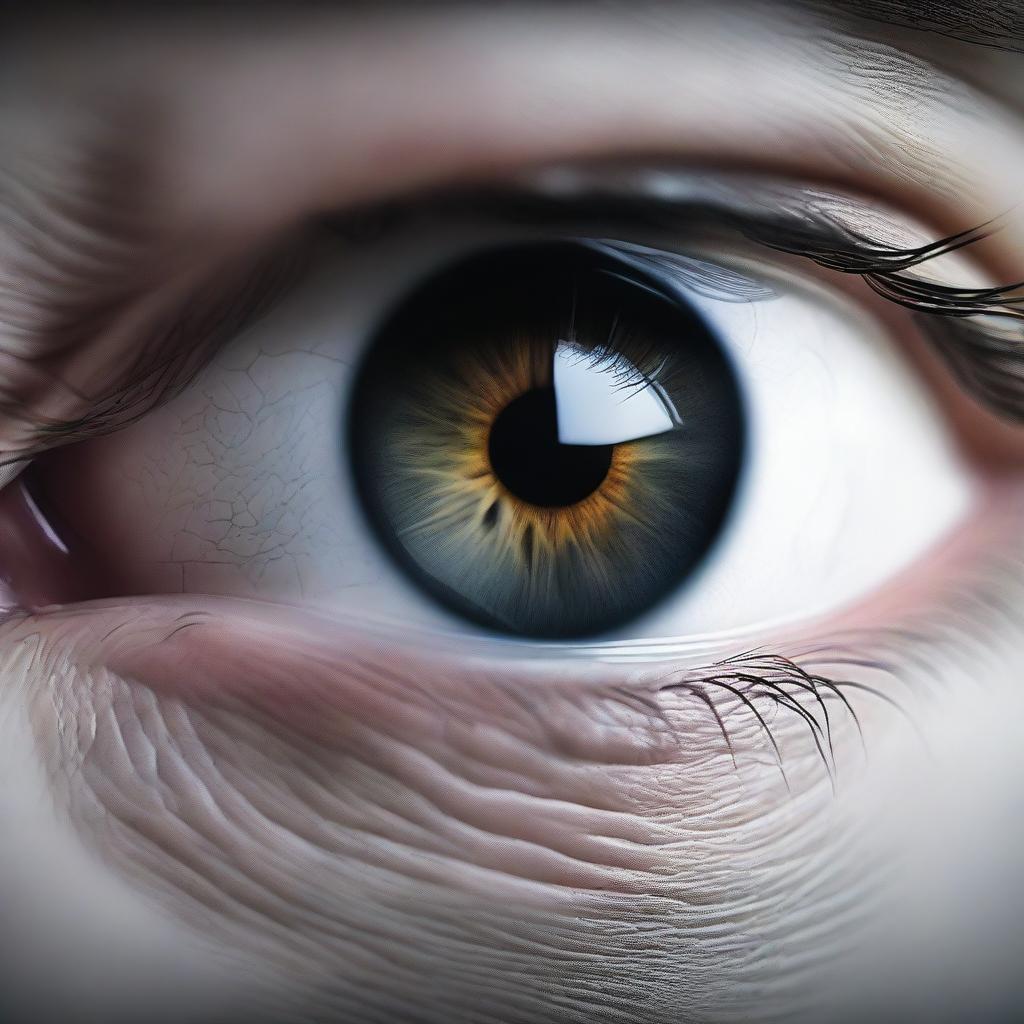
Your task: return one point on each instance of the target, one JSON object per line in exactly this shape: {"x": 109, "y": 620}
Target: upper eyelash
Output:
{"x": 810, "y": 233}
{"x": 175, "y": 351}
{"x": 850, "y": 251}
{"x": 885, "y": 268}
{"x": 987, "y": 361}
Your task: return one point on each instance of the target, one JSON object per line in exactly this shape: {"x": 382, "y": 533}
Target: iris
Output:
{"x": 547, "y": 437}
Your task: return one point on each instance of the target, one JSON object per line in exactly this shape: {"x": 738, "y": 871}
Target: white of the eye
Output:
{"x": 851, "y": 472}
{"x": 596, "y": 405}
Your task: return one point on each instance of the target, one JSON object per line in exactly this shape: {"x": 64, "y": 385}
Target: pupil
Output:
{"x": 529, "y": 460}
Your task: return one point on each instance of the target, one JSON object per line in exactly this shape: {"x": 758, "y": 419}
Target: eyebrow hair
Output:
{"x": 992, "y": 23}
{"x": 998, "y": 23}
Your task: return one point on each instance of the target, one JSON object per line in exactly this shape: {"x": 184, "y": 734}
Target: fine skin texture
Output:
{"x": 222, "y": 806}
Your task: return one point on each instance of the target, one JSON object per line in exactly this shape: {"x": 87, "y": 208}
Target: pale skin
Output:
{"x": 223, "y": 802}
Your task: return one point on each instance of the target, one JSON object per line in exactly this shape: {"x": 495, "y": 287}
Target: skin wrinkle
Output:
{"x": 192, "y": 750}
{"x": 732, "y": 857}
{"x": 995, "y": 23}
{"x": 754, "y": 890}
{"x": 195, "y": 786}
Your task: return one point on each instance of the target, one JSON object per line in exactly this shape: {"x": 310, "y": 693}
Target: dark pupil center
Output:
{"x": 529, "y": 460}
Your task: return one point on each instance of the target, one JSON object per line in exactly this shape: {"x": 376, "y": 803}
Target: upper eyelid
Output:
{"x": 987, "y": 361}
{"x": 815, "y": 236}
{"x": 852, "y": 78}
{"x": 886, "y": 150}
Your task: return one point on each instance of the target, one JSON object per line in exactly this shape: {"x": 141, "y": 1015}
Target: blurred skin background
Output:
{"x": 308, "y": 714}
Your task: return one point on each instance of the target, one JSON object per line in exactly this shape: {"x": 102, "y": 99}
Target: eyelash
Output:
{"x": 973, "y": 613}
{"x": 741, "y": 682}
{"x": 175, "y": 349}
{"x": 987, "y": 360}
{"x": 988, "y": 364}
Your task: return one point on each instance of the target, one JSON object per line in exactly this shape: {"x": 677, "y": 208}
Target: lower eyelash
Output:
{"x": 740, "y": 683}
{"x": 748, "y": 692}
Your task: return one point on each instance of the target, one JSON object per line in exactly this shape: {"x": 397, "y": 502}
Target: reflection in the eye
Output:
{"x": 597, "y": 405}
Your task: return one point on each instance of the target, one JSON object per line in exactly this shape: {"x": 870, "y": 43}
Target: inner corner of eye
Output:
{"x": 547, "y": 438}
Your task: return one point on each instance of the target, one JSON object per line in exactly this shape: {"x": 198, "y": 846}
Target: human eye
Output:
{"x": 539, "y": 433}
{"x": 508, "y": 517}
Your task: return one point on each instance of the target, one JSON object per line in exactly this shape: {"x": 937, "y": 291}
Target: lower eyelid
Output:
{"x": 537, "y": 788}
{"x": 326, "y": 683}
{"x": 259, "y": 745}
{"x": 249, "y": 626}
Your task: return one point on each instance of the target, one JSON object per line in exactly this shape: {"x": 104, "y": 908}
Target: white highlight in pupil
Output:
{"x": 599, "y": 401}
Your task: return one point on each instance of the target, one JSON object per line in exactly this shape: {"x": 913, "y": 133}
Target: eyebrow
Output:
{"x": 988, "y": 23}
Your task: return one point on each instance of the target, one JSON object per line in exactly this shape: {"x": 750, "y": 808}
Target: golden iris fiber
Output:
{"x": 442, "y": 447}
{"x": 461, "y": 350}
